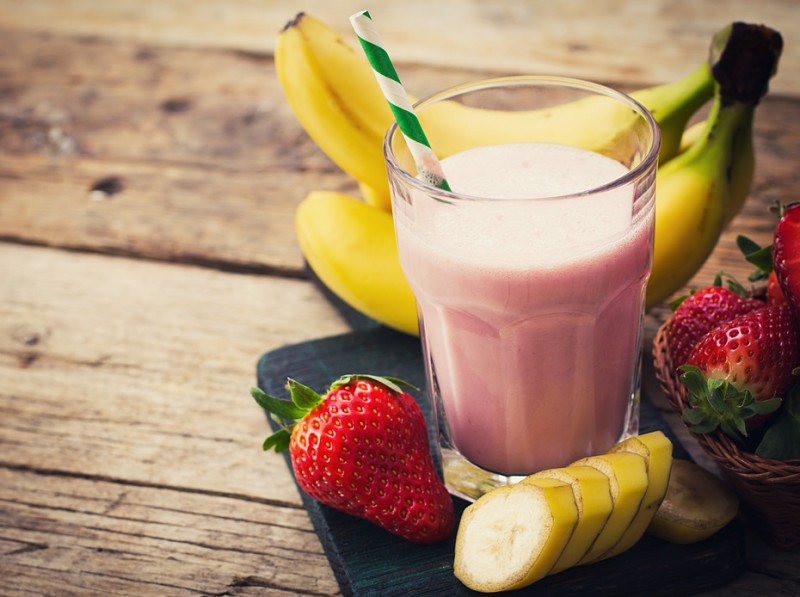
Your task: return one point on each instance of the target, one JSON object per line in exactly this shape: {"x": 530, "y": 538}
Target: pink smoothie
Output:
{"x": 530, "y": 309}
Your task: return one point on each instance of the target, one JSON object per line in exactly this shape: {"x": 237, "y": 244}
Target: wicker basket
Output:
{"x": 769, "y": 489}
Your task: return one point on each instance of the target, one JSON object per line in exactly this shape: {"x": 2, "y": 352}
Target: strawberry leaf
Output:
{"x": 725, "y": 280}
{"x": 282, "y": 408}
{"x": 694, "y": 381}
{"x": 735, "y": 286}
{"x": 278, "y": 440}
{"x": 764, "y": 407}
{"x": 303, "y": 397}
{"x": 393, "y": 383}
{"x": 677, "y": 302}
{"x": 782, "y": 439}
{"x": 717, "y": 395}
{"x": 400, "y": 383}
{"x": 759, "y": 256}
{"x": 698, "y": 422}
{"x": 735, "y": 426}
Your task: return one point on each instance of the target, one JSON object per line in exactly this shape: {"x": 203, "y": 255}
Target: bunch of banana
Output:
{"x": 700, "y": 191}
{"x": 332, "y": 91}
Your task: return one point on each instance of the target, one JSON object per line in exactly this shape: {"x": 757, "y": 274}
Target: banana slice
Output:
{"x": 656, "y": 449}
{"x": 627, "y": 475}
{"x": 592, "y": 494}
{"x": 696, "y": 506}
{"x": 512, "y": 536}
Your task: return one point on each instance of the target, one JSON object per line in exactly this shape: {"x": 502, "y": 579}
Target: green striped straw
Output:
{"x": 430, "y": 170}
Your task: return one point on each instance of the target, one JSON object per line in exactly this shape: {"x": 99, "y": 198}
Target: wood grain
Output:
{"x": 141, "y": 371}
{"x": 79, "y": 535}
{"x": 126, "y": 429}
{"x": 140, "y": 153}
{"x": 603, "y": 40}
{"x": 149, "y": 172}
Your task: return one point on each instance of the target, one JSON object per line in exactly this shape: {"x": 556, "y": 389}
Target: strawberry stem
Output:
{"x": 393, "y": 383}
{"x": 284, "y": 412}
{"x": 303, "y": 400}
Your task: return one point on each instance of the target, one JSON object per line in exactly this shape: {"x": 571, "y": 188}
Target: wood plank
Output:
{"x": 239, "y": 222}
{"x": 140, "y": 152}
{"x": 214, "y": 109}
{"x": 217, "y": 182}
{"x": 70, "y": 535}
{"x": 139, "y": 372}
{"x": 596, "y": 39}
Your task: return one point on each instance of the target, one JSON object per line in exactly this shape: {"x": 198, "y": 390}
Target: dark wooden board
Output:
{"x": 369, "y": 561}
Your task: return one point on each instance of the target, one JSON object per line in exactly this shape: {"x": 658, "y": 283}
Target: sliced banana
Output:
{"x": 656, "y": 449}
{"x": 592, "y": 494}
{"x": 512, "y": 536}
{"x": 696, "y": 506}
{"x": 627, "y": 475}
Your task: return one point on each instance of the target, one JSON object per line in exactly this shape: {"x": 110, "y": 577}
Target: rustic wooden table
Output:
{"x": 149, "y": 170}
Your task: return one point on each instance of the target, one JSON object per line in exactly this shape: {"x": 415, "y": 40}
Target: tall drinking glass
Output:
{"x": 530, "y": 275}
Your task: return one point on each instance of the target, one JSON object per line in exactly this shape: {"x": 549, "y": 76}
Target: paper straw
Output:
{"x": 430, "y": 170}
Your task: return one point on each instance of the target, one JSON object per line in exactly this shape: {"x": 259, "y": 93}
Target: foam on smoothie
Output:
{"x": 547, "y": 230}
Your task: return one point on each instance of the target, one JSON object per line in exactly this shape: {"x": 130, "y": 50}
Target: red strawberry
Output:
{"x": 740, "y": 370}
{"x": 786, "y": 255}
{"x": 363, "y": 449}
{"x": 700, "y": 313}
{"x": 774, "y": 293}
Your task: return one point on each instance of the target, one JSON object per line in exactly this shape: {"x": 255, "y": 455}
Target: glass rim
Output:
{"x": 630, "y": 176}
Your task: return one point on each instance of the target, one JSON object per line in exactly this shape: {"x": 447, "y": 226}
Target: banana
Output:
{"x": 592, "y": 494}
{"x": 656, "y": 449}
{"x": 743, "y": 166}
{"x": 596, "y": 123}
{"x": 673, "y": 104}
{"x": 696, "y": 506}
{"x": 691, "y": 135}
{"x": 351, "y": 247}
{"x": 692, "y": 199}
{"x": 332, "y": 91}
{"x": 316, "y": 94}
{"x": 628, "y": 481}
{"x": 695, "y": 196}
{"x": 512, "y": 536}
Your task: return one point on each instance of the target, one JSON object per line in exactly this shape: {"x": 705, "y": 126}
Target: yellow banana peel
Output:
{"x": 333, "y": 93}
{"x": 656, "y": 449}
{"x": 351, "y": 247}
{"x": 538, "y": 516}
{"x": 592, "y": 493}
{"x": 327, "y": 117}
{"x": 627, "y": 473}
{"x": 693, "y": 201}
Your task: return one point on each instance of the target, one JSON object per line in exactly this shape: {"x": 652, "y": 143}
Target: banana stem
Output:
{"x": 726, "y": 122}
{"x": 673, "y": 104}
{"x": 743, "y": 58}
